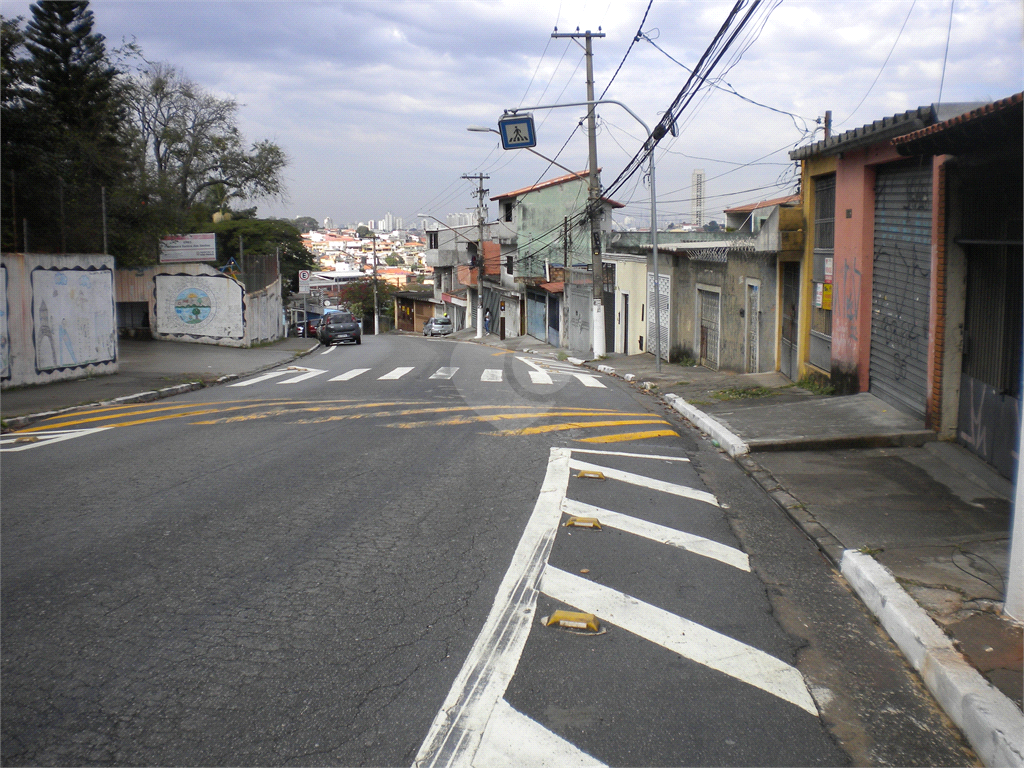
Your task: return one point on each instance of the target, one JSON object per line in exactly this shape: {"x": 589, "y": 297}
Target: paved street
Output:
{"x": 346, "y": 560}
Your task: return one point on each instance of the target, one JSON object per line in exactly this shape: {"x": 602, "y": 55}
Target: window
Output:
{"x": 508, "y": 263}
{"x": 432, "y": 239}
{"x": 508, "y": 206}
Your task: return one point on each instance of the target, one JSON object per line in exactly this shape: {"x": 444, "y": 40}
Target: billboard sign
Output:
{"x": 200, "y": 246}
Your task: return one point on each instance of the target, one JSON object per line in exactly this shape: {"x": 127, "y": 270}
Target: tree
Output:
{"x": 363, "y": 231}
{"x": 393, "y": 261}
{"x": 261, "y": 237}
{"x": 359, "y": 297}
{"x": 712, "y": 226}
{"x": 190, "y": 143}
{"x": 65, "y": 129}
{"x": 306, "y": 224}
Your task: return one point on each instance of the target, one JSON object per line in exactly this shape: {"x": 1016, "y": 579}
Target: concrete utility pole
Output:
{"x": 594, "y": 197}
{"x": 480, "y": 193}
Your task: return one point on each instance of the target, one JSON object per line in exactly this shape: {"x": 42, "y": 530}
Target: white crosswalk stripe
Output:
{"x": 589, "y": 381}
{"x": 540, "y": 372}
{"x": 395, "y": 374}
{"x": 307, "y": 373}
{"x": 348, "y": 375}
{"x": 444, "y": 373}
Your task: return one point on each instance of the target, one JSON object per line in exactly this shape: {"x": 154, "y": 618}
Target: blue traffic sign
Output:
{"x": 517, "y": 131}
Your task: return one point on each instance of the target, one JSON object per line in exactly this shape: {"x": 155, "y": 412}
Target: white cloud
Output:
{"x": 371, "y": 99}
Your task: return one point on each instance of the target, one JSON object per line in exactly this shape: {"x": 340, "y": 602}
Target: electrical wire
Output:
{"x": 882, "y": 68}
{"x": 945, "y": 55}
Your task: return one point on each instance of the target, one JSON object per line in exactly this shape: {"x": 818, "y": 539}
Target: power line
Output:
{"x": 882, "y": 68}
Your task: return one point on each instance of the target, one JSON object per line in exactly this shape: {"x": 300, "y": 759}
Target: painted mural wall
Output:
{"x": 58, "y": 318}
{"x": 199, "y": 306}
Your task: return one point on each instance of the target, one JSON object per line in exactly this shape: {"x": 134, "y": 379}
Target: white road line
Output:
{"x": 349, "y": 374}
{"x": 258, "y": 379}
{"x": 645, "y": 482}
{"x": 512, "y": 740}
{"x": 444, "y": 373}
{"x": 395, "y": 374}
{"x": 691, "y": 542}
{"x": 23, "y": 441}
{"x": 308, "y": 373}
{"x": 328, "y": 350}
{"x": 491, "y": 374}
{"x": 689, "y": 639}
{"x": 537, "y": 374}
{"x": 589, "y": 381}
{"x": 630, "y": 455}
{"x": 456, "y": 732}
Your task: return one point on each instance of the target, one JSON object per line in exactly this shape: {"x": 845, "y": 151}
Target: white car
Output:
{"x": 438, "y": 326}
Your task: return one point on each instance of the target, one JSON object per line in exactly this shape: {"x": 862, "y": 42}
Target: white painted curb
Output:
{"x": 990, "y": 721}
{"x": 733, "y": 445}
{"x": 577, "y": 360}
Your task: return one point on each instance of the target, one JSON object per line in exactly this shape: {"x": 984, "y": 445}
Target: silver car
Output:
{"x": 438, "y": 326}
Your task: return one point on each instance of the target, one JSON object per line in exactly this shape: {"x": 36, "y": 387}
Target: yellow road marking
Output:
{"x": 577, "y": 425}
{"x": 629, "y": 436}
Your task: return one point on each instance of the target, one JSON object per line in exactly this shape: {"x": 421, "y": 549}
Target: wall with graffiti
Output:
{"x": 58, "y": 318}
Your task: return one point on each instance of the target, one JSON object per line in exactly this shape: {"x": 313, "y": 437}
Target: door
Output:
{"x": 753, "y": 334}
{"x": 708, "y": 305}
{"x": 790, "y": 303}
{"x": 661, "y": 304}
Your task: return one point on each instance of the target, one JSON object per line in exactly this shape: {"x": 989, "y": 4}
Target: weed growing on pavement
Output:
{"x": 866, "y": 550}
{"x": 811, "y": 384}
{"x": 562, "y": 356}
{"x": 733, "y": 393}
{"x": 687, "y": 362}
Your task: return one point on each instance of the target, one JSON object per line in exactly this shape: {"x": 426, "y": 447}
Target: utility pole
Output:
{"x": 594, "y": 197}
{"x": 480, "y": 193}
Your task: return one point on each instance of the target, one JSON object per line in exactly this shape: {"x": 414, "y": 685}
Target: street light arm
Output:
{"x": 485, "y": 129}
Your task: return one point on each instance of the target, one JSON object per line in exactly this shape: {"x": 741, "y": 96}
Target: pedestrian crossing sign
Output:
{"x": 517, "y": 131}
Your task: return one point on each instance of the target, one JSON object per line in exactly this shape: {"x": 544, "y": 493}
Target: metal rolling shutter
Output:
{"x": 900, "y": 285}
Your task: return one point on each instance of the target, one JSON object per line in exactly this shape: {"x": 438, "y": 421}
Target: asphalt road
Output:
{"x": 348, "y": 562}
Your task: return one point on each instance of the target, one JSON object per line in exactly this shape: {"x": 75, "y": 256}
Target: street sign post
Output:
{"x": 517, "y": 131}
{"x": 303, "y": 281}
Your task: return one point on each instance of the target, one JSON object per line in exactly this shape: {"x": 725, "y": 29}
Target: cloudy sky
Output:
{"x": 371, "y": 100}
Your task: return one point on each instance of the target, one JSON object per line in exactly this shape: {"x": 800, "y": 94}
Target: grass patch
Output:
{"x": 687, "y": 362}
{"x": 734, "y": 393}
{"x": 813, "y": 384}
{"x": 563, "y": 356}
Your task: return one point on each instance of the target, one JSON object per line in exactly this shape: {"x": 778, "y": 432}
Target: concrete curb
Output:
{"x": 18, "y": 422}
{"x": 990, "y": 721}
{"x": 733, "y": 445}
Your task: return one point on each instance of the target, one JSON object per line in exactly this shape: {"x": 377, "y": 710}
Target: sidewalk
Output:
{"x": 919, "y": 528}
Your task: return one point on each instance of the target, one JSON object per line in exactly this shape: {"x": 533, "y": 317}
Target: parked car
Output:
{"x": 437, "y": 326}
{"x": 337, "y": 327}
{"x": 311, "y": 326}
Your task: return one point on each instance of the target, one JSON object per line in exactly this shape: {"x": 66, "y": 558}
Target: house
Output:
{"x": 413, "y": 309}
{"x": 910, "y": 282}
{"x": 539, "y": 228}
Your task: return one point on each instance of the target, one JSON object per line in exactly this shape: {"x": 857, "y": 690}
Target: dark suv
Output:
{"x": 337, "y": 327}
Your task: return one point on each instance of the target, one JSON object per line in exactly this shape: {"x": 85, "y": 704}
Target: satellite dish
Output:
{"x": 327, "y": 302}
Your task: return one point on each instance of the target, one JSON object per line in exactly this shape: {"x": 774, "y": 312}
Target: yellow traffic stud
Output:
{"x": 590, "y": 474}
{"x": 27, "y": 440}
{"x": 583, "y": 522}
{"x": 573, "y": 620}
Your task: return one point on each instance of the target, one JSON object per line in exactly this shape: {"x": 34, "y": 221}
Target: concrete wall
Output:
{"x": 732, "y": 278}
{"x": 225, "y": 314}
{"x": 58, "y": 318}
